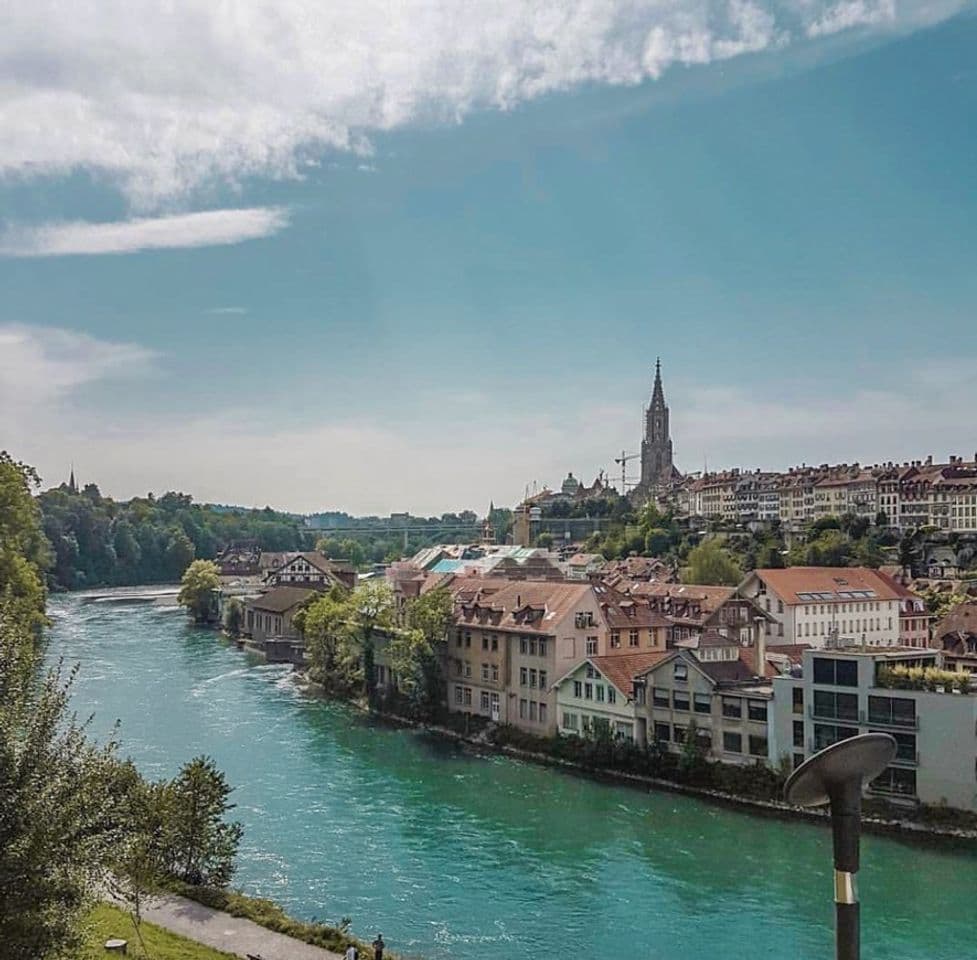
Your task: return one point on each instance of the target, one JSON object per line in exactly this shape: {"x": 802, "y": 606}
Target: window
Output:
{"x": 893, "y": 711}
{"x": 680, "y": 699}
{"x": 533, "y": 710}
{"x": 799, "y": 733}
{"x": 485, "y": 701}
{"x": 532, "y": 648}
{"x": 523, "y": 646}
{"x": 611, "y": 695}
{"x": 826, "y": 734}
{"x": 758, "y": 746}
{"x": 680, "y": 733}
{"x": 599, "y": 692}
{"x": 523, "y": 709}
{"x": 837, "y": 673}
{"x": 577, "y": 689}
{"x": 570, "y": 721}
{"x": 660, "y": 697}
{"x": 542, "y": 713}
{"x": 895, "y": 780}
{"x": 485, "y": 671}
{"x": 663, "y": 732}
{"x": 702, "y": 703}
{"x": 624, "y": 731}
{"x": 458, "y": 640}
{"x": 495, "y": 642}
{"x": 632, "y": 638}
{"x": 542, "y": 679}
{"x": 588, "y": 691}
{"x": 732, "y": 742}
{"x": 484, "y": 642}
{"x": 495, "y": 705}
{"x": 468, "y": 640}
{"x": 468, "y": 669}
{"x": 615, "y": 638}
{"x": 837, "y": 706}
{"x": 757, "y": 710}
{"x": 495, "y": 673}
{"x": 532, "y": 679}
{"x": 905, "y": 747}
{"x": 468, "y": 696}
{"x": 458, "y": 695}
{"x": 680, "y": 671}
{"x": 732, "y": 707}
{"x": 591, "y": 646}
{"x": 703, "y": 739}
{"x": 797, "y": 699}
{"x": 457, "y": 668}
{"x": 524, "y": 677}
{"x": 542, "y": 648}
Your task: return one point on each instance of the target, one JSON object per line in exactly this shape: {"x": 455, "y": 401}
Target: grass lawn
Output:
{"x": 105, "y": 922}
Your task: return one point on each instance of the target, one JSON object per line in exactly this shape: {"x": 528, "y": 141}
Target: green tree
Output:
{"x": 415, "y": 651}
{"x": 24, "y": 550}
{"x": 200, "y": 580}
{"x": 545, "y": 540}
{"x": 202, "y": 846}
{"x": 56, "y": 825}
{"x": 234, "y": 616}
{"x": 711, "y": 563}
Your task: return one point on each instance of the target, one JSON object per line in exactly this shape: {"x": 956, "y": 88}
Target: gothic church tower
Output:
{"x": 657, "y": 469}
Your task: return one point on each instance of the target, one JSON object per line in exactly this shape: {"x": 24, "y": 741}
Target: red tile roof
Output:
{"x": 623, "y": 669}
{"x": 836, "y": 581}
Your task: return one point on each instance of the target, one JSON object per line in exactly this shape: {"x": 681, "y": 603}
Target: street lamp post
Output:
{"x": 837, "y": 776}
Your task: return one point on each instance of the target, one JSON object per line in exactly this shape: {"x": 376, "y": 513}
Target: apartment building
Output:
{"x": 842, "y": 692}
{"x": 510, "y": 640}
{"x": 597, "y": 696}
{"x": 816, "y": 605}
{"x": 718, "y": 702}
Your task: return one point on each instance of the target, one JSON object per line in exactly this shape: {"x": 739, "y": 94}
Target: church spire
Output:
{"x": 658, "y": 393}
{"x": 72, "y": 486}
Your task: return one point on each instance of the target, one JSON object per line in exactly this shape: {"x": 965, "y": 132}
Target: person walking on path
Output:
{"x": 378, "y": 946}
{"x": 352, "y": 953}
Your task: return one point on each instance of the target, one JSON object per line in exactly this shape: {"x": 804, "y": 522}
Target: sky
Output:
{"x": 417, "y": 255}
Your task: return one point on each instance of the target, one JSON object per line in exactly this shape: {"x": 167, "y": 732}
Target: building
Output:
{"x": 631, "y": 624}
{"x": 311, "y": 569}
{"x": 818, "y": 605}
{"x": 719, "y": 702}
{"x": 272, "y": 615}
{"x": 956, "y": 636}
{"x": 510, "y": 640}
{"x": 597, "y": 696}
{"x": 582, "y": 566}
{"x": 657, "y": 467}
{"x": 842, "y": 692}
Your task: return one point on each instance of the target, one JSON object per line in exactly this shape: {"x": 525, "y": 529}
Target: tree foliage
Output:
{"x": 415, "y": 651}
{"x": 98, "y": 541}
{"x": 23, "y": 547}
{"x": 56, "y": 815}
{"x": 200, "y": 579}
{"x": 711, "y": 563}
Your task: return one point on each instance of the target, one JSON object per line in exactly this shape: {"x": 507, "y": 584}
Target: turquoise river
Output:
{"x": 452, "y": 854}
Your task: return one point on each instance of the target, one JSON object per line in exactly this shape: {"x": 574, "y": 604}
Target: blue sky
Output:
{"x": 435, "y": 261}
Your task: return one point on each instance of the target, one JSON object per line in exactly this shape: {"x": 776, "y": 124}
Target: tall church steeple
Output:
{"x": 72, "y": 486}
{"x": 657, "y": 469}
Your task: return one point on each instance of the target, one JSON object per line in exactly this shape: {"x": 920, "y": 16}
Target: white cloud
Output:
{"x": 204, "y": 229}
{"x": 42, "y": 364}
{"x": 166, "y": 97}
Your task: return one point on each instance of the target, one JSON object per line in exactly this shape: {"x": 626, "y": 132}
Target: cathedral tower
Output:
{"x": 657, "y": 469}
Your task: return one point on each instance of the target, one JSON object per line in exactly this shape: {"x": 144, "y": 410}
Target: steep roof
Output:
{"x": 621, "y": 670}
{"x": 828, "y": 584}
{"x": 961, "y": 620}
{"x": 529, "y": 606}
{"x": 281, "y": 599}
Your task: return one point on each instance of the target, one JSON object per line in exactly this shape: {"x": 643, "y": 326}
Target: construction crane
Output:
{"x": 622, "y": 462}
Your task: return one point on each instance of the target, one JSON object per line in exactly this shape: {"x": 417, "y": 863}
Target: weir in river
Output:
{"x": 453, "y": 854}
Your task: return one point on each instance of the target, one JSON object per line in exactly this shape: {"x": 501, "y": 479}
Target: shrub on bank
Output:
{"x": 689, "y": 768}
{"x": 268, "y": 914}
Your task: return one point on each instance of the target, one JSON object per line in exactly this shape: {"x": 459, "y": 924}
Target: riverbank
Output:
{"x": 892, "y": 826}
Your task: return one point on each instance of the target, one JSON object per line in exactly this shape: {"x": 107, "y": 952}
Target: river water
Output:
{"x": 456, "y": 855}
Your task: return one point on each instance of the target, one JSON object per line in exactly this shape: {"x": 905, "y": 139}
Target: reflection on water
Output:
{"x": 454, "y": 854}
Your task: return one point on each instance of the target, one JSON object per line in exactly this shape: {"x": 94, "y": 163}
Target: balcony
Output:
{"x": 894, "y": 723}
{"x": 835, "y": 717}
